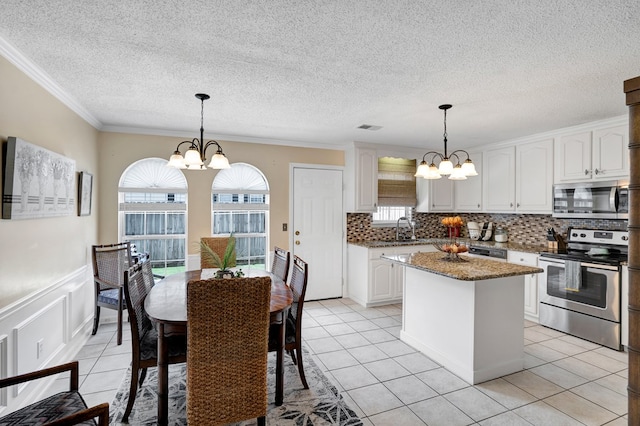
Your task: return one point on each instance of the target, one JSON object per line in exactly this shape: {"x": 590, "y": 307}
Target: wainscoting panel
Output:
{"x": 36, "y": 341}
{"x": 46, "y": 328}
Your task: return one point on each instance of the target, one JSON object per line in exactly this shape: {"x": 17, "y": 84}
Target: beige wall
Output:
{"x": 35, "y": 253}
{"x": 117, "y": 151}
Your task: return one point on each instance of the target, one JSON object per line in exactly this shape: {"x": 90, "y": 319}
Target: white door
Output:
{"x": 317, "y": 228}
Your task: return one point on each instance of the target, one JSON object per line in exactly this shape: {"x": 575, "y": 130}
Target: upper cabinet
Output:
{"x": 519, "y": 178}
{"x": 534, "y": 177}
{"x": 361, "y": 190}
{"x": 600, "y": 154}
{"x": 499, "y": 179}
{"x": 468, "y": 192}
{"x": 434, "y": 195}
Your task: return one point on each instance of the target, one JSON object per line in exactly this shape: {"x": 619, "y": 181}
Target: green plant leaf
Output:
{"x": 209, "y": 255}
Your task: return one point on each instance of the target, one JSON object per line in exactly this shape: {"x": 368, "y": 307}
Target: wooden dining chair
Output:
{"x": 227, "y": 329}
{"x": 110, "y": 261}
{"x": 138, "y": 281}
{"x": 293, "y": 336}
{"x": 280, "y": 265}
{"x": 62, "y": 409}
{"x": 219, "y": 246}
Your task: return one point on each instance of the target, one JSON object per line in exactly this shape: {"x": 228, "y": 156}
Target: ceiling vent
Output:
{"x": 369, "y": 127}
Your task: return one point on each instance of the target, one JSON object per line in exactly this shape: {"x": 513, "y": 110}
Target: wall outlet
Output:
{"x": 39, "y": 348}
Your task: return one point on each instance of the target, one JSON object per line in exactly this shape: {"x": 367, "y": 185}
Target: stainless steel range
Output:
{"x": 580, "y": 286}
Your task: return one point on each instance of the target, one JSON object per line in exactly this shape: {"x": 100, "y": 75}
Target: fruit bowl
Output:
{"x": 452, "y": 250}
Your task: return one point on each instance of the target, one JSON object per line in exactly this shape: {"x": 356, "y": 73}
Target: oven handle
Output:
{"x": 585, "y": 264}
{"x": 597, "y": 266}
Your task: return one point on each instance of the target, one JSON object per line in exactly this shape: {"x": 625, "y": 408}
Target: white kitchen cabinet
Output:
{"x": 374, "y": 281}
{"x": 441, "y": 194}
{"x": 530, "y": 282}
{"x": 434, "y": 195}
{"x": 468, "y": 193}
{"x": 361, "y": 191}
{"x": 498, "y": 180}
{"x": 624, "y": 306}
{"x": 610, "y": 153}
{"x": 601, "y": 154}
{"x": 534, "y": 177}
{"x": 519, "y": 178}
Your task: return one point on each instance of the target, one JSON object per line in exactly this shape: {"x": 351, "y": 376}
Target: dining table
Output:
{"x": 166, "y": 306}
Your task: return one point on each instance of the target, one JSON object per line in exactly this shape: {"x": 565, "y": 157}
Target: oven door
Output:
{"x": 598, "y": 294}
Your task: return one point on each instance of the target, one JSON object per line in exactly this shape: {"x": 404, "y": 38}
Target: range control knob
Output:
{"x": 583, "y": 235}
{"x": 625, "y": 238}
{"x": 575, "y": 234}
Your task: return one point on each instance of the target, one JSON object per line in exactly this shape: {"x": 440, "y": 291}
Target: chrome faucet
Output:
{"x": 411, "y": 224}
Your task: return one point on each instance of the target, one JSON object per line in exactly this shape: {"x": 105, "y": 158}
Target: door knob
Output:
{"x": 297, "y": 232}
{"x": 297, "y": 242}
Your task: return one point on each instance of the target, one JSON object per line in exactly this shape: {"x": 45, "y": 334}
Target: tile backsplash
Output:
{"x": 521, "y": 228}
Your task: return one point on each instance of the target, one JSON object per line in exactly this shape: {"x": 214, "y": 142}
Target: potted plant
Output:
{"x": 221, "y": 263}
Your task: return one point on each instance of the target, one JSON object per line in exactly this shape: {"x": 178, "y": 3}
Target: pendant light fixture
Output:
{"x": 195, "y": 156}
{"x": 446, "y": 167}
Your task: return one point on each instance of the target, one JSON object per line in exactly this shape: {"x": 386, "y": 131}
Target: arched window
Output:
{"x": 240, "y": 206}
{"x": 152, "y": 201}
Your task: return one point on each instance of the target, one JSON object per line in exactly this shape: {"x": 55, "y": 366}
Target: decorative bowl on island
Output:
{"x": 452, "y": 250}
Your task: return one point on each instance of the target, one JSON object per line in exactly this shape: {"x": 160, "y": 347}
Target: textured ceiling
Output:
{"x": 313, "y": 71}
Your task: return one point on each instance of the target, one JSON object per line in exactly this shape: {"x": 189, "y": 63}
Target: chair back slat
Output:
{"x": 280, "y": 265}
{"x": 227, "y": 343}
{"x": 110, "y": 261}
{"x": 137, "y": 285}
{"x": 298, "y": 285}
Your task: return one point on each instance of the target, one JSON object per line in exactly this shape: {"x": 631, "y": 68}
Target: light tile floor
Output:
{"x": 566, "y": 381}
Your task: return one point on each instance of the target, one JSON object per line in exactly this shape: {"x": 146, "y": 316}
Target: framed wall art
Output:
{"x": 85, "y": 188}
{"x": 37, "y": 182}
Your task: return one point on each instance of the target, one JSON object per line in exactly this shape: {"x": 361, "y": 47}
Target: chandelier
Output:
{"x": 195, "y": 156}
{"x": 446, "y": 167}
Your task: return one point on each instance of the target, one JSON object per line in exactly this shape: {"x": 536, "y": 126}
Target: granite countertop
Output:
{"x": 474, "y": 269}
{"x": 527, "y": 248}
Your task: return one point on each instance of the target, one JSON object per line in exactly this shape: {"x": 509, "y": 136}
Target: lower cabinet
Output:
{"x": 530, "y": 282}
{"x": 374, "y": 281}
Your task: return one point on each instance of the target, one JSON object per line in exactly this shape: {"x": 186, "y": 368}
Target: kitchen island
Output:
{"x": 467, "y": 316}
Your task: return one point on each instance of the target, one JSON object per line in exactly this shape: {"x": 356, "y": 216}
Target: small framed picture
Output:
{"x": 85, "y": 184}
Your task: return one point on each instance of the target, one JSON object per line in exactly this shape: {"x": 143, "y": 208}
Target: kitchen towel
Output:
{"x": 573, "y": 275}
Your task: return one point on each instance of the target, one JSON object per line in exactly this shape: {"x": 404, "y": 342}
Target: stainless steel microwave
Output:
{"x": 601, "y": 200}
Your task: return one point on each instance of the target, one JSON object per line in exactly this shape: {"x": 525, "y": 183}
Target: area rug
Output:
{"x": 321, "y": 404}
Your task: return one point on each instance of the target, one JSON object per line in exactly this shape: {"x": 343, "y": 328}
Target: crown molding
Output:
{"x": 36, "y": 73}
{"x": 220, "y": 137}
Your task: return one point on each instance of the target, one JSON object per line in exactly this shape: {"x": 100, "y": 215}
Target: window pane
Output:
{"x": 176, "y": 223}
{"x": 134, "y": 223}
{"x": 257, "y": 222}
{"x": 391, "y": 213}
{"x": 155, "y": 224}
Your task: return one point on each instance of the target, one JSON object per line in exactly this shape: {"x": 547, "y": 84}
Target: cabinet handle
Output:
{"x": 297, "y": 242}
{"x": 297, "y": 232}
{"x": 517, "y": 204}
{"x": 586, "y": 172}
{"x": 510, "y": 204}
{"x": 478, "y": 205}
{"x": 598, "y": 171}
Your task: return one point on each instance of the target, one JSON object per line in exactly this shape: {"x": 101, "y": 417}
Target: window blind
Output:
{"x": 396, "y": 182}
